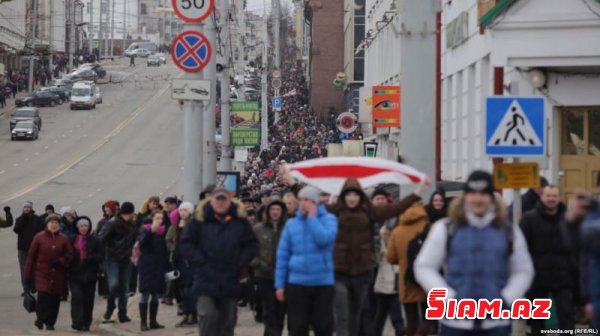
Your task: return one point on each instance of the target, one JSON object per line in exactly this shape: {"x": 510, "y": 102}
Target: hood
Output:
{"x": 456, "y": 212}
{"x": 353, "y": 185}
{"x": 203, "y": 208}
{"x": 276, "y": 201}
{"x": 413, "y": 215}
{"x": 86, "y": 218}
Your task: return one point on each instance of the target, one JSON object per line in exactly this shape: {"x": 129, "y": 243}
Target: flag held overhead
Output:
{"x": 330, "y": 174}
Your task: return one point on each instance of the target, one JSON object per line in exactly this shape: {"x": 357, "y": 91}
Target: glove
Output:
{"x": 54, "y": 263}
{"x": 7, "y": 209}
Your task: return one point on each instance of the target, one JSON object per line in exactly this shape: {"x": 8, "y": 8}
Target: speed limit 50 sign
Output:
{"x": 193, "y": 10}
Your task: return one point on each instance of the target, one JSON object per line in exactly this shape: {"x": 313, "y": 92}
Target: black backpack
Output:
{"x": 412, "y": 251}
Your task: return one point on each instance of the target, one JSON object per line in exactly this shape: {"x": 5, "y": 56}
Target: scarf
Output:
{"x": 81, "y": 246}
{"x": 481, "y": 221}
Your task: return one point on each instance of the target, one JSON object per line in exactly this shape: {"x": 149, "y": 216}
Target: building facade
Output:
{"x": 13, "y": 34}
{"x": 544, "y": 48}
{"x": 326, "y": 56}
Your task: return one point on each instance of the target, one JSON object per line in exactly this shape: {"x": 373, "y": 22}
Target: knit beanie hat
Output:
{"x": 52, "y": 218}
{"x": 187, "y": 206}
{"x": 127, "y": 208}
{"x": 480, "y": 181}
{"x": 310, "y": 193}
{"x": 83, "y": 221}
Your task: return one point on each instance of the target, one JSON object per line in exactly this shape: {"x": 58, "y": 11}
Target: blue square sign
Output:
{"x": 515, "y": 126}
{"x": 277, "y": 103}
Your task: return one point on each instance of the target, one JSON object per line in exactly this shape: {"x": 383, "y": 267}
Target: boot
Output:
{"x": 153, "y": 312}
{"x": 144, "y": 317}
{"x": 184, "y": 322}
{"x": 193, "y": 319}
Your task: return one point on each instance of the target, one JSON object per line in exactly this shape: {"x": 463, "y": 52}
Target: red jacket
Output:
{"x": 46, "y": 248}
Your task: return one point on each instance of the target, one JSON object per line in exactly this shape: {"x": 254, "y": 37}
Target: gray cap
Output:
{"x": 310, "y": 193}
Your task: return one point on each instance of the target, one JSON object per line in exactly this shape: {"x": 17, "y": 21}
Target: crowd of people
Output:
{"x": 306, "y": 261}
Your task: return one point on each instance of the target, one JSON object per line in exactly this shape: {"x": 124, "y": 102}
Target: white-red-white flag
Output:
{"x": 330, "y": 174}
{"x": 291, "y": 93}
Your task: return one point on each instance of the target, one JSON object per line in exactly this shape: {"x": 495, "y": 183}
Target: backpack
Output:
{"x": 412, "y": 251}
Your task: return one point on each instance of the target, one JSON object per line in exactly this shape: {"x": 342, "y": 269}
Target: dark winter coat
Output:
{"x": 590, "y": 238}
{"x": 86, "y": 271}
{"x": 26, "y": 227}
{"x": 268, "y": 234}
{"x": 354, "y": 252}
{"x": 154, "y": 260}
{"x": 47, "y": 261}
{"x": 219, "y": 249}
{"x": 8, "y": 222}
{"x": 118, "y": 238}
{"x": 553, "y": 258}
{"x": 181, "y": 264}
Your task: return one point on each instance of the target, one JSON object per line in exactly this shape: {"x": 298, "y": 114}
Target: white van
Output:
{"x": 83, "y": 94}
{"x": 131, "y": 50}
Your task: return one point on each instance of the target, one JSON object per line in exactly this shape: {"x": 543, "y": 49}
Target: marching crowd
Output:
{"x": 308, "y": 261}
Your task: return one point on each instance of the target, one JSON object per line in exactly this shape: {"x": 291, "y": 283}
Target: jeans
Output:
{"x": 562, "y": 299}
{"x": 273, "y": 310}
{"x": 388, "y": 305}
{"x": 500, "y": 331}
{"x": 22, "y": 260}
{"x": 350, "y": 295}
{"x": 47, "y": 308}
{"x": 82, "y": 303}
{"x": 146, "y": 298}
{"x": 310, "y": 308}
{"x": 217, "y": 316}
{"x": 119, "y": 273}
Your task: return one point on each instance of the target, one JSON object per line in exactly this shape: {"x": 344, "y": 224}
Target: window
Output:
{"x": 143, "y": 9}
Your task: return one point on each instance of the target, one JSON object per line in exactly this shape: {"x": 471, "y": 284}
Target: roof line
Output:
{"x": 494, "y": 12}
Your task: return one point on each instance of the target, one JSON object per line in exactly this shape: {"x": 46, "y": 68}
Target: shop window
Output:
{"x": 594, "y": 132}
{"x": 573, "y": 137}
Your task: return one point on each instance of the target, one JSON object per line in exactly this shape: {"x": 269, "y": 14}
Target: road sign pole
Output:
{"x": 192, "y": 166}
{"x": 517, "y": 206}
{"x": 226, "y": 152}
{"x": 209, "y": 150}
{"x": 264, "y": 136}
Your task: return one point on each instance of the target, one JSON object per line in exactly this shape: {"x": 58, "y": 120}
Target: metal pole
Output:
{"x": 517, "y": 205}
{"x": 90, "y": 29}
{"x": 209, "y": 152}
{"x": 124, "y": 27}
{"x": 264, "y": 115}
{"x": 192, "y": 166}
{"x": 276, "y": 31}
{"x": 112, "y": 30}
{"x": 226, "y": 153}
{"x": 71, "y": 34}
{"x": 31, "y": 58}
{"x": 106, "y": 23}
{"x": 100, "y": 31}
{"x": 50, "y": 37}
{"x": 241, "y": 63}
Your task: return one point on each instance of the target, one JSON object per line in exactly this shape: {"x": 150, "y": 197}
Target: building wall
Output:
{"x": 327, "y": 55}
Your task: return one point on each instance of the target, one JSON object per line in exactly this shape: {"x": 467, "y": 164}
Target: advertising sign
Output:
{"x": 245, "y": 123}
{"x": 386, "y": 106}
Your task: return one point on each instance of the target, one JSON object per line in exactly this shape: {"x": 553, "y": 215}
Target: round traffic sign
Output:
{"x": 276, "y": 83}
{"x": 346, "y": 122}
{"x": 191, "y": 51}
{"x": 193, "y": 10}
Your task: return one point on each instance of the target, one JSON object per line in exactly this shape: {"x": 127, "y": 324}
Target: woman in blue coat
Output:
{"x": 152, "y": 266}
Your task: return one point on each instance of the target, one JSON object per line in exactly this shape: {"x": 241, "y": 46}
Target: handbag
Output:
{"x": 29, "y": 302}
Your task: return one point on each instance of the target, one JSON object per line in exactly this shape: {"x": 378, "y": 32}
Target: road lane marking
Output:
{"x": 2, "y": 172}
{"x": 93, "y": 149}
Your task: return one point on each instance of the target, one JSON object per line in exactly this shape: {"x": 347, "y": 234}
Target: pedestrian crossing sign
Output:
{"x": 515, "y": 126}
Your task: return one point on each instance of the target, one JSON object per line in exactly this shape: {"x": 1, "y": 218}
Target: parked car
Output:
{"x": 85, "y": 75}
{"x": 99, "y": 95}
{"x": 63, "y": 93}
{"x": 140, "y": 53}
{"x": 163, "y": 57}
{"x": 26, "y": 113}
{"x": 97, "y": 68}
{"x": 39, "y": 98}
{"x": 153, "y": 60}
{"x": 63, "y": 83}
{"x": 26, "y": 129}
{"x": 83, "y": 95}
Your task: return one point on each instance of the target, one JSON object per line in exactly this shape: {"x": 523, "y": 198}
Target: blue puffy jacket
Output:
{"x": 305, "y": 251}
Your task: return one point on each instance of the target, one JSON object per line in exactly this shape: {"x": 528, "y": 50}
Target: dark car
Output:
{"x": 86, "y": 75}
{"x": 25, "y": 130}
{"x": 40, "y": 98}
{"x": 63, "y": 93}
{"x": 97, "y": 68}
{"x": 24, "y": 114}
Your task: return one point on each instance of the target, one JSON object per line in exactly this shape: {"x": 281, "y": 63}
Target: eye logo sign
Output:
{"x": 386, "y": 106}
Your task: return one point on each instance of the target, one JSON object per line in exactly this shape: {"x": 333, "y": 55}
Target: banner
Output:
{"x": 245, "y": 123}
{"x": 386, "y": 106}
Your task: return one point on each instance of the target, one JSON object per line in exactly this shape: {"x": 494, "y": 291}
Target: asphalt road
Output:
{"x": 128, "y": 148}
